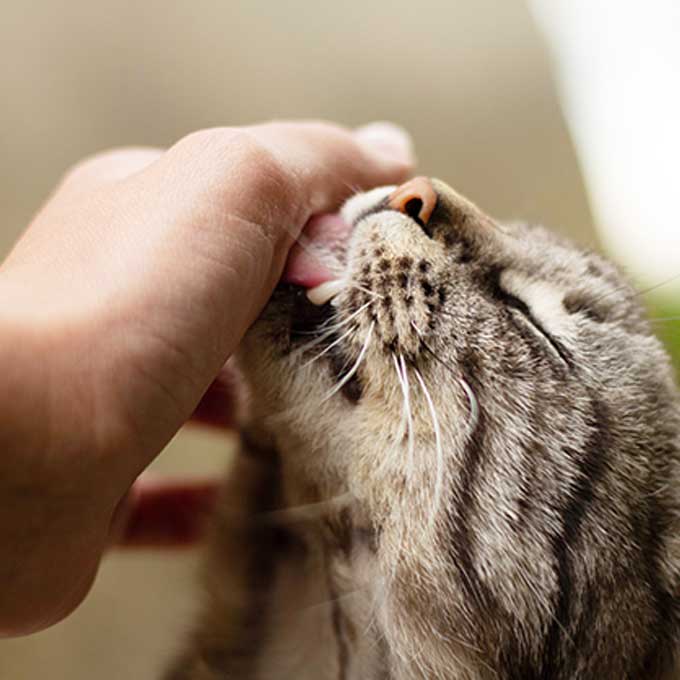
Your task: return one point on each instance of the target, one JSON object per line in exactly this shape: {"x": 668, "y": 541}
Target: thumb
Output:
{"x": 329, "y": 162}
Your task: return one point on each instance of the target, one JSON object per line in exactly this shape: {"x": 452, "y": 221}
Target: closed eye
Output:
{"x": 519, "y": 307}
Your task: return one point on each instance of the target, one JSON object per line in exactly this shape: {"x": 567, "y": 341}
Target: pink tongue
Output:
{"x": 305, "y": 266}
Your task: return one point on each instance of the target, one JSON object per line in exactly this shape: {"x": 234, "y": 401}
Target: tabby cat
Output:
{"x": 460, "y": 461}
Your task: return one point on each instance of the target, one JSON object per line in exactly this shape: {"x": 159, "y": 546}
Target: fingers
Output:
{"x": 317, "y": 163}
{"x": 330, "y": 163}
{"x": 164, "y": 513}
{"x": 277, "y": 175}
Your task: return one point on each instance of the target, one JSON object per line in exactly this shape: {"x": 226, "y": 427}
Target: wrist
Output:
{"x": 53, "y": 515}
{"x": 41, "y": 422}
{"x": 24, "y": 405}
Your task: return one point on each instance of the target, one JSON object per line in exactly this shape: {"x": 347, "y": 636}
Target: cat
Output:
{"x": 464, "y": 465}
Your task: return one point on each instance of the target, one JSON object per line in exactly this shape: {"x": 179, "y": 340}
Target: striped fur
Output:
{"x": 495, "y": 493}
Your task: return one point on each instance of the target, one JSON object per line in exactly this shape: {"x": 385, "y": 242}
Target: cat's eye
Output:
{"x": 522, "y": 309}
{"x": 519, "y": 307}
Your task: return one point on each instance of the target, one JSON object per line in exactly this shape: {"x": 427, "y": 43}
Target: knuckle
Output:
{"x": 256, "y": 157}
{"x": 247, "y": 166}
{"x": 238, "y": 152}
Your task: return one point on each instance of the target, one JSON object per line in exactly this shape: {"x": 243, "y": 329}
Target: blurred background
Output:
{"x": 471, "y": 80}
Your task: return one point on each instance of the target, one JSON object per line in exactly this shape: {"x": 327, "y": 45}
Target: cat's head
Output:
{"x": 493, "y": 401}
{"x": 445, "y": 326}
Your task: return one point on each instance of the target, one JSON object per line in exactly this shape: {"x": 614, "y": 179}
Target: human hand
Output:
{"x": 119, "y": 307}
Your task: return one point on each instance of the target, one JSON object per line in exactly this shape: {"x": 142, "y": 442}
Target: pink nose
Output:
{"x": 417, "y": 199}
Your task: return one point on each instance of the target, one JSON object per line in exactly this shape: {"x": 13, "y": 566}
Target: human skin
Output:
{"x": 119, "y": 307}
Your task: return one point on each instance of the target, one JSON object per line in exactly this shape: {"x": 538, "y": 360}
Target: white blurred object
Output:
{"x": 618, "y": 64}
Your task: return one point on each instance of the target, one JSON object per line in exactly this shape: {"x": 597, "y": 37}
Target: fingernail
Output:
{"x": 387, "y": 139}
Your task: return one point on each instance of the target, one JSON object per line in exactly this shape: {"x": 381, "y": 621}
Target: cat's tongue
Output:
{"x": 308, "y": 261}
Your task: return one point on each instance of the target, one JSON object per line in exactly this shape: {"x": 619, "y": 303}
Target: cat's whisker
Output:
{"x": 354, "y": 368}
{"x": 316, "y": 357}
{"x": 473, "y": 403}
{"x": 327, "y": 327}
{"x": 307, "y": 512}
{"x": 329, "y": 330}
{"x": 405, "y": 388}
{"x": 670, "y": 279}
{"x": 439, "y": 480}
{"x": 405, "y": 428}
{"x": 637, "y": 293}
{"x": 368, "y": 291}
{"x": 403, "y": 422}
{"x": 407, "y": 424}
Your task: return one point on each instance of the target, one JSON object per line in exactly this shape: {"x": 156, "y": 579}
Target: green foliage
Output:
{"x": 664, "y": 313}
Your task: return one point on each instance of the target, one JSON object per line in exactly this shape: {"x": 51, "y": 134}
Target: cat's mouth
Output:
{"x": 311, "y": 326}
{"x": 314, "y": 275}
{"x": 306, "y": 316}
{"x": 318, "y": 261}
{"x": 330, "y": 308}
{"x": 319, "y": 255}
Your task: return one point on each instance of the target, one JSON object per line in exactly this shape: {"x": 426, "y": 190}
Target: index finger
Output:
{"x": 330, "y": 162}
{"x": 278, "y": 174}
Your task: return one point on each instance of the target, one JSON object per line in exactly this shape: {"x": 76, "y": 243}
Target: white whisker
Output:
{"x": 439, "y": 482}
{"x": 637, "y": 293}
{"x": 407, "y": 417}
{"x": 405, "y": 389}
{"x": 354, "y": 368}
{"x": 368, "y": 291}
{"x": 307, "y": 512}
{"x": 472, "y": 401}
{"x": 327, "y": 331}
{"x": 316, "y": 357}
{"x": 403, "y": 423}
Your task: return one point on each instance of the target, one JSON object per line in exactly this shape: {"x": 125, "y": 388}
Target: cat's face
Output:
{"x": 434, "y": 322}
{"x": 493, "y": 403}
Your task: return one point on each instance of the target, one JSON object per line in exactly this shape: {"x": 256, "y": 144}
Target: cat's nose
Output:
{"x": 416, "y": 198}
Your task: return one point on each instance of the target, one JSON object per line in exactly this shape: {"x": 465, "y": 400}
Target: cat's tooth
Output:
{"x": 321, "y": 294}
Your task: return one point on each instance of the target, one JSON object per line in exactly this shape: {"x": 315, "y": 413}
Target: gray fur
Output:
{"x": 541, "y": 539}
